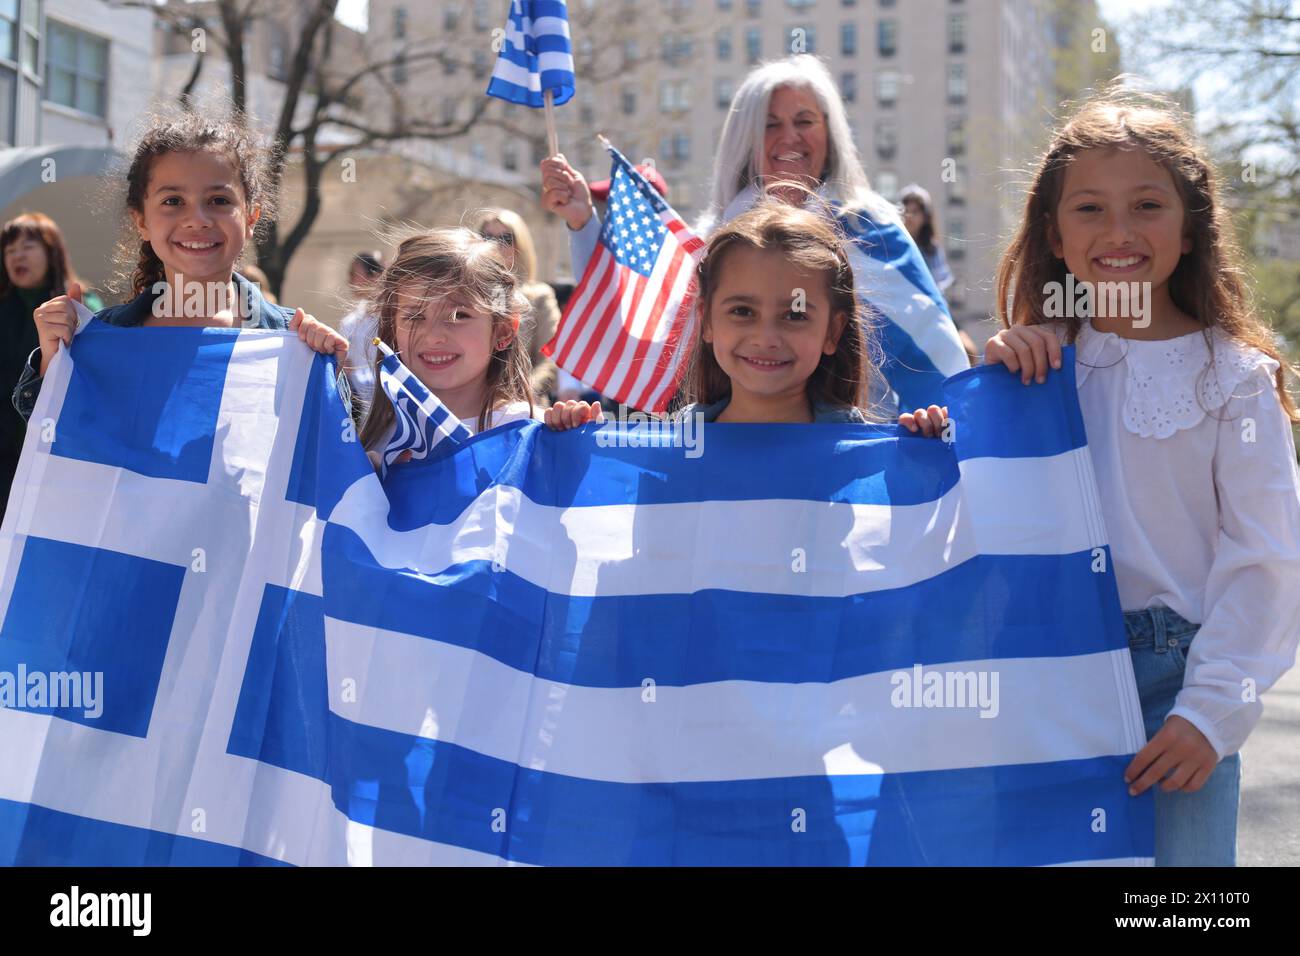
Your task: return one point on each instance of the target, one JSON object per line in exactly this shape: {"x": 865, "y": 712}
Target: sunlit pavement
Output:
{"x": 1268, "y": 831}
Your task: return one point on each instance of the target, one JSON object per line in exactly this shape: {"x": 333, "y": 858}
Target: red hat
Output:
{"x": 600, "y": 188}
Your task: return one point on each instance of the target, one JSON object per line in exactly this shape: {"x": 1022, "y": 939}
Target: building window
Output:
{"x": 510, "y": 156}
{"x": 886, "y": 138}
{"x": 754, "y": 7}
{"x": 675, "y": 48}
{"x": 399, "y": 69}
{"x": 887, "y": 87}
{"x": 887, "y": 37}
{"x": 724, "y": 44}
{"x": 753, "y": 43}
{"x": 76, "y": 70}
{"x": 629, "y": 100}
{"x": 799, "y": 4}
{"x": 957, "y": 188}
{"x": 450, "y": 16}
{"x": 849, "y": 86}
{"x": 8, "y": 29}
{"x": 956, "y": 135}
{"x": 399, "y": 23}
{"x": 675, "y": 148}
{"x": 724, "y": 4}
{"x": 849, "y": 39}
{"x": 723, "y": 90}
{"x": 887, "y": 183}
{"x": 6, "y": 106}
{"x": 482, "y": 15}
{"x": 480, "y": 62}
{"x": 956, "y": 33}
{"x": 956, "y": 241}
{"x": 956, "y": 83}
{"x": 674, "y": 96}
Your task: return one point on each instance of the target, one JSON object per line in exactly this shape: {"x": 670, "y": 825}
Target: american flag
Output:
{"x": 629, "y": 326}
{"x": 421, "y": 419}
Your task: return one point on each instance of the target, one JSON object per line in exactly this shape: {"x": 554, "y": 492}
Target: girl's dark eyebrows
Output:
{"x": 217, "y": 187}
{"x": 740, "y": 297}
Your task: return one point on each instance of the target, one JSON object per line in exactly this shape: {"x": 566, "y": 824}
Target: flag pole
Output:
{"x": 552, "y": 140}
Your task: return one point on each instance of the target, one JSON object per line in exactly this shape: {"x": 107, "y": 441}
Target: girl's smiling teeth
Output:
{"x": 437, "y": 359}
{"x": 765, "y": 364}
{"x": 1121, "y": 262}
{"x": 197, "y": 245}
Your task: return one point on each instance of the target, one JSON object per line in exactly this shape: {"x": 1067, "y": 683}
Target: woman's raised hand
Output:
{"x": 565, "y": 192}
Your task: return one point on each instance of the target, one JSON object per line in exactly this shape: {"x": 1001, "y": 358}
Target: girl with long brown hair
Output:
{"x": 450, "y": 307}
{"x": 1125, "y": 249}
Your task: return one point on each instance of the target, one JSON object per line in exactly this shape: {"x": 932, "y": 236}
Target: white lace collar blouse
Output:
{"x": 1196, "y": 470}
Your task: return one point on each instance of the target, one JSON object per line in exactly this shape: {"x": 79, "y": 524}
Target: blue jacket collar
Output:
{"x": 261, "y": 314}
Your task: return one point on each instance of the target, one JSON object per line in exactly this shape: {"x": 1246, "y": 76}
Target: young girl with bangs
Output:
{"x": 782, "y": 335}
{"x": 1189, "y": 426}
{"x": 450, "y": 307}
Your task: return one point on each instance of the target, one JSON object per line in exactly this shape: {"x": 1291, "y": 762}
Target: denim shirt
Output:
{"x": 823, "y": 414}
{"x": 262, "y": 315}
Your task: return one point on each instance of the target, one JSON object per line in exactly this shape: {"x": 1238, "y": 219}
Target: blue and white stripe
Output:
{"x": 771, "y": 686}
{"x": 542, "y": 648}
{"x": 536, "y": 56}
{"x": 913, "y": 326}
{"x": 421, "y": 420}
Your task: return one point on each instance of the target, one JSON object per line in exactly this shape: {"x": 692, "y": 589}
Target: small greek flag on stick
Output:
{"x": 422, "y": 420}
{"x": 535, "y": 65}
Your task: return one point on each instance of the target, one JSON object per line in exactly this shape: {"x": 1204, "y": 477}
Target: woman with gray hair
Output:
{"x": 787, "y": 136}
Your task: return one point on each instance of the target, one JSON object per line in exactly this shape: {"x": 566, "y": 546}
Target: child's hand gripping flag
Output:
{"x": 422, "y": 420}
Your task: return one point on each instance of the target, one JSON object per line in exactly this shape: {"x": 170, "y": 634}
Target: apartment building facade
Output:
{"x": 955, "y": 95}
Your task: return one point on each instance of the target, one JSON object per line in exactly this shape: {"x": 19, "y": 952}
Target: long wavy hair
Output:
{"x": 456, "y": 262}
{"x": 43, "y": 229}
{"x": 1209, "y": 283}
{"x": 811, "y": 243}
{"x": 139, "y": 265}
{"x": 736, "y": 164}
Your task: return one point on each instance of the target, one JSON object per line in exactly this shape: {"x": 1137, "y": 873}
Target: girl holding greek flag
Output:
{"x": 196, "y": 192}
{"x": 449, "y": 308}
{"x": 1189, "y": 421}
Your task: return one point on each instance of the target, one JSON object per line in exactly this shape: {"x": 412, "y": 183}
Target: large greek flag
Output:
{"x": 743, "y": 644}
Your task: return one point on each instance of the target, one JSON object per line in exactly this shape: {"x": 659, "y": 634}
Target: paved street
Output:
{"x": 1269, "y": 828}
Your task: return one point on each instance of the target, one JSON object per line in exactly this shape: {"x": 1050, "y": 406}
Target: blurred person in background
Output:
{"x": 360, "y": 326}
{"x": 36, "y": 269}
{"x": 918, "y": 217}
{"x": 508, "y": 228}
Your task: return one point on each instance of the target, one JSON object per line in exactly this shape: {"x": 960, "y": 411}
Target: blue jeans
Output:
{"x": 1192, "y": 829}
